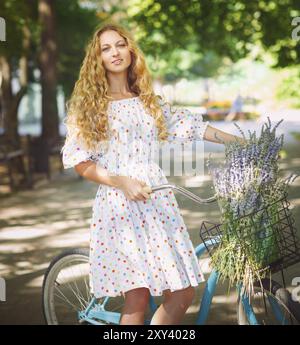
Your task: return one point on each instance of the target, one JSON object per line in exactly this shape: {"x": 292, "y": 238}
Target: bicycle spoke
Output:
{"x": 68, "y": 291}
{"x": 119, "y": 306}
{"x": 78, "y": 294}
{"x": 68, "y": 284}
{"x": 66, "y": 299}
{"x": 87, "y": 288}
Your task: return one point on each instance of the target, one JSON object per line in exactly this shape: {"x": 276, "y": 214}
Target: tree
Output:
{"x": 48, "y": 67}
{"x": 72, "y": 39}
{"x": 14, "y": 56}
{"x": 228, "y": 28}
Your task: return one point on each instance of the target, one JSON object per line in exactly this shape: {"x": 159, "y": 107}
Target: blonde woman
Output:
{"x": 139, "y": 245}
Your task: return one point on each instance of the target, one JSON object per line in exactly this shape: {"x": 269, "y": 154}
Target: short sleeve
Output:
{"x": 73, "y": 152}
{"x": 182, "y": 124}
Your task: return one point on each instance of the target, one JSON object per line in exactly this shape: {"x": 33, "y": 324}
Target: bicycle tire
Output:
{"x": 48, "y": 279}
{"x": 114, "y": 304}
{"x": 281, "y": 294}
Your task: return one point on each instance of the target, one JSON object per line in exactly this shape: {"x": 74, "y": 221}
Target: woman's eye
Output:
{"x": 120, "y": 45}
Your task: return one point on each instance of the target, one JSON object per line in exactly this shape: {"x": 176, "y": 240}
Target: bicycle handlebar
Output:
{"x": 185, "y": 192}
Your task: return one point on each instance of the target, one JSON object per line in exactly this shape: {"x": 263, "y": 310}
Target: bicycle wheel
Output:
{"x": 271, "y": 305}
{"x": 66, "y": 290}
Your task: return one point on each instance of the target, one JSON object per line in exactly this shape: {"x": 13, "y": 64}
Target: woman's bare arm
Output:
{"x": 213, "y": 134}
{"x": 132, "y": 188}
{"x": 95, "y": 173}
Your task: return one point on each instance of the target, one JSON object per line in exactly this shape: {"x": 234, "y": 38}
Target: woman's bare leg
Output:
{"x": 136, "y": 303}
{"x": 172, "y": 310}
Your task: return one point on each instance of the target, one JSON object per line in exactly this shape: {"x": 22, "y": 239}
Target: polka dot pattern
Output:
{"x": 138, "y": 243}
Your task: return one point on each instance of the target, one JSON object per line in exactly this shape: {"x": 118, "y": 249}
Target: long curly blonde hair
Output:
{"x": 86, "y": 109}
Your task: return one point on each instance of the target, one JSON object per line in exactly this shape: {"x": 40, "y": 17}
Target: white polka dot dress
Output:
{"x": 138, "y": 243}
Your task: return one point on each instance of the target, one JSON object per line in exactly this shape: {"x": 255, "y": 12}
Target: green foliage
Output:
{"x": 289, "y": 88}
{"x": 75, "y": 26}
{"x": 16, "y": 14}
{"x": 183, "y": 38}
{"x": 226, "y": 27}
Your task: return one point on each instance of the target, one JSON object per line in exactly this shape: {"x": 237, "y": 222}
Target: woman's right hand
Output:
{"x": 132, "y": 188}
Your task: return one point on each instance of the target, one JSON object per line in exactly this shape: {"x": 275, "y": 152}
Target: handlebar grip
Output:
{"x": 147, "y": 189}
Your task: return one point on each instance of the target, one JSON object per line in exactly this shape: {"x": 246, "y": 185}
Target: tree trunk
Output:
{"x": 6, "y": 93}
{"x": 10, "y": 102}
{"x": 48, "y": 67}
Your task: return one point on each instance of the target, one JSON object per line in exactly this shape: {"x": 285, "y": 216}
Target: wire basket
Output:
{"x": 268, "y": 235}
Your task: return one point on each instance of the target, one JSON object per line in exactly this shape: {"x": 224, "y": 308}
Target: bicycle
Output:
{"x": 66, "y": 296}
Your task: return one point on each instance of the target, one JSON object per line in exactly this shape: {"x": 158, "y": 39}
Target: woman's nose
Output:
{"x": 115, "y": 51}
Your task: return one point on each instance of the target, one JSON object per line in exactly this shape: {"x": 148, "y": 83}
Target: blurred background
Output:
{"x": 230, "y": 61}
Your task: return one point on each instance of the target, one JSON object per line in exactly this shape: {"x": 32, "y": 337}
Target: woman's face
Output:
{"x": 113, "y": 48}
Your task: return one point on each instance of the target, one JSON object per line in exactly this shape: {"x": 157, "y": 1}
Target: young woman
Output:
{"x": 138, "y": 244}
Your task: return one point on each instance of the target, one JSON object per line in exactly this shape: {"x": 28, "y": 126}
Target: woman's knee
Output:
{"x": 137, "y": 297}
{"x": 191, "y": 294}
{"x": 184, "y": 296}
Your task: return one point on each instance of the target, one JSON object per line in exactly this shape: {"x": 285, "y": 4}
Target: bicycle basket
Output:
{"x": 268, "y": 235}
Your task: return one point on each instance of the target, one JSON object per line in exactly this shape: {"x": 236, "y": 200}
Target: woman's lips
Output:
{"x": 117, "y": 62}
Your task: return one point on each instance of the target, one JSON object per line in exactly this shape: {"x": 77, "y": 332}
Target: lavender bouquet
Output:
{"x": 246, "y": 184}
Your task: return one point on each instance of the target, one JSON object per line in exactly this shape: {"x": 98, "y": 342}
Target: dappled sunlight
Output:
{"x": 222, "y": 310}
{"x": 295, "y": 162}
{"x": 23, "y": 233}
{"x": 296, "y": 182}
{"x": 13, "y": 248}
{"x": 192, "y": 214}
{"x": 196, "y": 181}
{"x": 197, "y": 215}
{"x": 18, "y": 211}
{"x": 25, "y": 267}
{"x": 219, "y": 299}
{"x": 294, "y": 202}
{"x": 70, "y": 240}
{"x": 229, "y": 299}
{"x": 49, "y": 221}
{"x": 36, "y": 282}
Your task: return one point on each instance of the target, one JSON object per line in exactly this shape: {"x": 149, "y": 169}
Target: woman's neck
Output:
{"x": 117, "y": 94}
